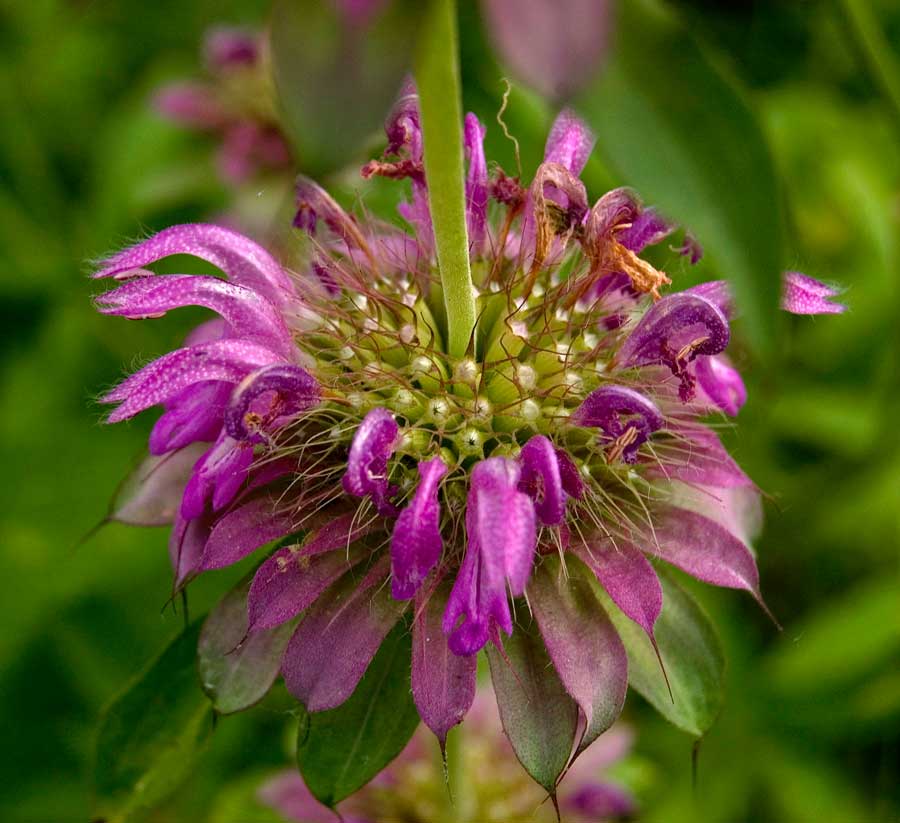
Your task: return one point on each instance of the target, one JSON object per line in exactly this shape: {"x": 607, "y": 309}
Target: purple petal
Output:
{"x": 245, "y": 529}
{"x": 163, "y": 379}
{"x": 190, "y": 104}
{"x": 443, "y": 683}
{"x": 570, "y": 142}
{"x": 273, "y": 393}
{"x": 337, "y": 639}
{"x": 542, "y": 480}
{"x": 675, "y": 331}
{"x": 287, "y": 794}
{"x": 403, "y": 125}
{"x": 599, "y": 801}
{"x": 290, "y": 581}
{"x": 247, "y": 313}
{"x": 373, "y": 443}
{"x": 244, "y": 261}
{"x": 618, "y": 207}
{"x": 721, "y": 383}
{"x": 555, "y": 46}
{"x": 151, "y": 495}
{"x": 187, "y": 541}
{"x": 217, "y": 477}
{"x": 500, "y": 527}
{"x": 705, "y": 550}
{"x": 717, "y": 292}
{"x": 416, "y": 543}
{"x": 626, "y": 417}
{"x": 628, "y": 578}
{"x": 225, "y": 47}
{"x": 476, "y": 183}
{"x": 647, "y": 229}
{"x": 585, "y": 649}
{"x": 314, "y": 204}
{"x": 569, "y": 475}
{"x": 338, "y": 533}
{"x": 804, "y": 295}
{"x": 191, "y": 416}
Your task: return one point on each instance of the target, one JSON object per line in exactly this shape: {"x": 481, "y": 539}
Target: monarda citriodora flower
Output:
{"x": 478, "y": 498}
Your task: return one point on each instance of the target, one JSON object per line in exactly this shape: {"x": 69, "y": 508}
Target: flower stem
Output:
{"x": 440, "y": 99}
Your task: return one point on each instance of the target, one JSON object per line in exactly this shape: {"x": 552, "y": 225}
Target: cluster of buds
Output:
{"x": 468, "y": 495}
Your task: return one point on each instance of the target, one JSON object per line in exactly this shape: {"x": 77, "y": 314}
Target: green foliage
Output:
{"x": 344, "y": 748}
{"x": 151, "y": 735}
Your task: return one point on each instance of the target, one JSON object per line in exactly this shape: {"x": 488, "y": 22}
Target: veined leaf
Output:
{"x": 152, "y": 733}
{"x": 342, "y": 749}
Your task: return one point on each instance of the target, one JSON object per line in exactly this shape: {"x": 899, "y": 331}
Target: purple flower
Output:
{"x": 460, "y": 495}
{"x": 500, "y": 533}
{"x": 804, "y": 295}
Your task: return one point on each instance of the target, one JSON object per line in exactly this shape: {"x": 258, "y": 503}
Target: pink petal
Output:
{"x": 245, "y": 529}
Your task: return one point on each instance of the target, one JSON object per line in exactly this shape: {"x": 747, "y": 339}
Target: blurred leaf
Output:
{"x": 676, "y": 129}
{"x": 152, "y": 733}
{"x": 539, "y": 717}
{"x": 437, "y": 77}
{"x": 691, "y": 653}
{"x": 337, "y": 76}
{"x": 845, "y": 640}
{"x": 236, "y": 671}
{"x": 342, "y": 749}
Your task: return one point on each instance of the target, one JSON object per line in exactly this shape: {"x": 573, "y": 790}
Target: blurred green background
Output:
{"x": 811, "y": 727}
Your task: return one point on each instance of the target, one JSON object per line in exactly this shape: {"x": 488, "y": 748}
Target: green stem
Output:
{"x": 440, "y": 99}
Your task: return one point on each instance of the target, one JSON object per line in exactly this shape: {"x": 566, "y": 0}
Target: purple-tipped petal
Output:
{"x": 165, "y": 378}
{"x": 338, "y": 637}
{"x": 243, "y": 260}
{"x": 443, "y": 683}
{"x": 247, "y": 313}
{"x": 193, "y": 415}
{"x": 702, "y": 460}
{"x": 717, "y": 292}
{"x": 500, "y": 529}
{"x": 290, "y": 581}
{"x": 647, "y": 229}
{"x": 269, "y": 397}
{"x": 555, "y": 46}
{"x": 245, "y": 529}
{"x": 804, "y": 295}
{"x": 673, "y": 333}
{"x": 585, "y": 649}
{"x": 373, "y": 443}
{"x": 476, "y": 183}
{"x": 570, "y": 142}
{"x": 403, "y": 125}
{"x": 721, "y": 383}
{"x": 705, "y": 550}
{"x": 626, "y": 417}
{"x": 416, "y": 543}
{"x": 152, "y": 494}
{"x": 542, "y": 480}
{"x": 618, "y": 207}
{"x": 628, "y": 578}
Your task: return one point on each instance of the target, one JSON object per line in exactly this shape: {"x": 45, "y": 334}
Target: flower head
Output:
{"x": 450, "y": 489}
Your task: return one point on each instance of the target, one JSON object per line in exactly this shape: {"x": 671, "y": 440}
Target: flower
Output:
{"x": 412, "y": 787}
{"x": 235, "y": 103}
{"x": 567, "y": 450}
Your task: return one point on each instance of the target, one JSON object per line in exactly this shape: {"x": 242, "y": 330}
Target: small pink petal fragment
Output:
{"x": 804, "y": 295}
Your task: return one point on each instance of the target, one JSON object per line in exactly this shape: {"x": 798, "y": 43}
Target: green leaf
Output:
{"x": 236, "y": 674}
{"x": 538, "y": 716}
{"x": 440, "y": 100}
{"x": 677, "y": 129}
{"x": 342, "y": 749}
{"x": 152, "y": 733}
{"x": 692, "y": 655}
{"x": 336, "y": 78}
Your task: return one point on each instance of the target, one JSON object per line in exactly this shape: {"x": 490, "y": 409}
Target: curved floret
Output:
{"x": 456, "y": 493}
